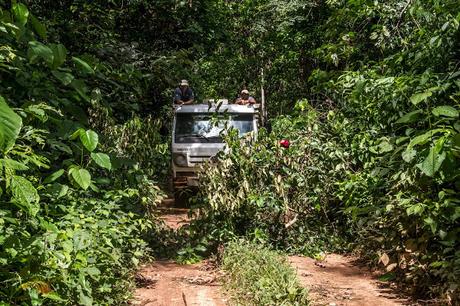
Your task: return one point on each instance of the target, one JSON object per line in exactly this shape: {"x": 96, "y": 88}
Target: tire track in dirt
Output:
{"x": 166, "y": 283}
{"x": 339, "y": 281}
{"x": 173, "y": 284}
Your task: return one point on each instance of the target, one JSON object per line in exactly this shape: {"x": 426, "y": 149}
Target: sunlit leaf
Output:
{"x": 81, "y": 176}
{"x": 54, "y": 296}
{"x": 82, "y": 65}
{"x": 408, "y": 155}
{"x": 76, "y": 134}
{"x": 12, "y": 164}
{"x": 54, "y": 176}
{"x": 434, "y": 160}
{"x": 432, "y": 223}
{"x": 89, "y": 139}
{"x": 425, "y": 137}
{"x": 419, "y": 97}
{"x": 102, "y": 160}
{"x": 85, "y": 300}
{"x": 445, "y": 110}
{"x": 25, "y": 195}
{"x": 38, "y": 112}
{"x": 10, "y": 125}
{"x": 20, "y": 13}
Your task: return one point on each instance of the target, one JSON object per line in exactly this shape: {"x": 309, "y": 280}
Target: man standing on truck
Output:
{"x": 183, "y": 94}
{"x": 245, "y": 98}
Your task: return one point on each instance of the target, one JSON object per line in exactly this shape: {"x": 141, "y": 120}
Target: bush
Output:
{"x": 71, "y": 216}
{"x": 256, "y": 275}
{"x": 82, "y": 251}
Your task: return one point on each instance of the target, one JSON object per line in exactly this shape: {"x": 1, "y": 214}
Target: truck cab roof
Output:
{"x": 229, "y": 108}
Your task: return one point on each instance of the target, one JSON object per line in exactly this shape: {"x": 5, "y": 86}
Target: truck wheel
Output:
{"x": 181, "y": 197}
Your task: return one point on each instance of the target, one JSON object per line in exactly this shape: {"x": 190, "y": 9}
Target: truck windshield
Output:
{"x": 204, "y": 128}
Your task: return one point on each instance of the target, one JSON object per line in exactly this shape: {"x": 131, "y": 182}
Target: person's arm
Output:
{"x": 178, "y": 97}
{"x": 238, "y": 101}
{"x": 251, "y": 100}
{"x": 192, "y": 97}
{"x": 188, "y": 102}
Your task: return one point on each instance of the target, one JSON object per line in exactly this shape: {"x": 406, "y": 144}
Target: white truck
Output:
{"x": 196, "y": 135}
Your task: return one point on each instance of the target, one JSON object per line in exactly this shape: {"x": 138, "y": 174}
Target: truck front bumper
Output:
{"x": 184, "y": 181}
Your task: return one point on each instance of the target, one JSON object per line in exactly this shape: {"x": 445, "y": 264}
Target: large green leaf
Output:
{"x": 12, "y": 164}
{"x": 10, "y": 125}
{"x": 102, "y": 160}
{"x": 423, "y": 138}
{"x": 60, "y": 53}
{"x": 445, "y": 110}
{"x": 53, "y": 176}
{"x": 419, "y": 97}
{"x": 81, "y": 176}
{"x": 38, "y": 50}
{"x": 82, "y": 65}
{"x": 24, "y": 194}
{"x": 89, "y": 139}
{"x": 65, "y": 77}
{"x": 410, "y": 117}
{"x": 434, "y": 160}
{"x": 20, "y": 13}
{"x": 80, "y": 88}
{"x": 39, "y": 27}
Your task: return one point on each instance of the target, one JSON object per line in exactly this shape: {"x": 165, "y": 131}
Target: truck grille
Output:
{"x": 198, "y": 159}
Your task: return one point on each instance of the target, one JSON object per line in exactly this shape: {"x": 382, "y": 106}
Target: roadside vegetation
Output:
{"x": 366, "y": 95}
{"x": 256, "y": 275}
{"x": 74, "y": 203}
{"x": 373, "y": 159}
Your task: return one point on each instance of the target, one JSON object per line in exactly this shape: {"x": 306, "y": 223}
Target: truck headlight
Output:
{"x": 180, "y": 159}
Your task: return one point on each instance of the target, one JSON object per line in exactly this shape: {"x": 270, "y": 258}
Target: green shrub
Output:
{"x": 255, "y": 275}
{"x": 82, "y": 251}
{"x": 71, "y": 219}
{"x": 375, "y": 150}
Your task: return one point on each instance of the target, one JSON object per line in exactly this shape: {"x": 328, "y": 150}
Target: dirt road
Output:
{"x": 336, "y": 281}
{"x": 172, "y": 284}
{"x": 339, "y": 281}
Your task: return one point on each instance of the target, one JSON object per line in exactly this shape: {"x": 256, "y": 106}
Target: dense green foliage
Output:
{"x": 367, "y": 92}
{"x": 256, "y": 275}
{"x": 375, "y": 143}
{"x": 71, "y": 221}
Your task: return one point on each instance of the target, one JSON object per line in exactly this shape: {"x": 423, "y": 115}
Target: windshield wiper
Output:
{"x": 194, "y": 135}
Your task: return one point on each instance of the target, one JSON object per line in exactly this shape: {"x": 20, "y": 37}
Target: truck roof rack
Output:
{"x": 205, "y": 108}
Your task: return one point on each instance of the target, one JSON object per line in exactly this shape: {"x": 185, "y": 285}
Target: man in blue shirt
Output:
{"x": 183, "y": 94}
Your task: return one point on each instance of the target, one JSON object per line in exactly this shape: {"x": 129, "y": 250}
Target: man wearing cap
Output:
{"x": 183, "y": 94}
{"x": 245, "y": 98}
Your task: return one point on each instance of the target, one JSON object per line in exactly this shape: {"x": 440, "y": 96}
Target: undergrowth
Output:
{"x": 256, "y": 275}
